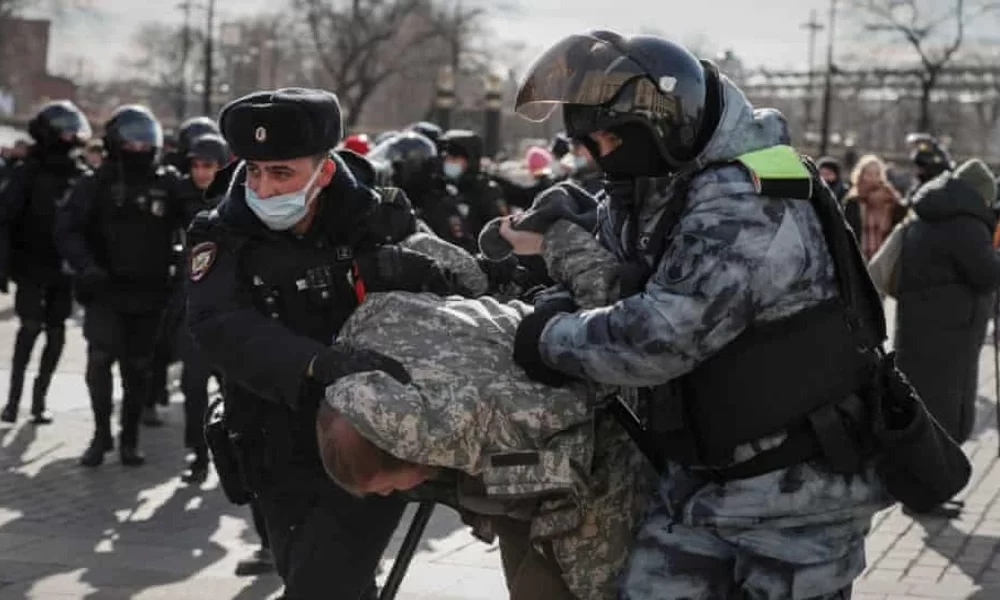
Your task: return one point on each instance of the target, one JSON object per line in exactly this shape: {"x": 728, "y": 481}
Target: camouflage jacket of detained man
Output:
{"x": 540, "y": 453}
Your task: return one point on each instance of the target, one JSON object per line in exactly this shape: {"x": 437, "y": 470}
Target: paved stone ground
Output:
{"x": 110, "y": 533}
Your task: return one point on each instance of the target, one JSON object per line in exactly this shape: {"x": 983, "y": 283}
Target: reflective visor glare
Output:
{"x": 578, "y": 70}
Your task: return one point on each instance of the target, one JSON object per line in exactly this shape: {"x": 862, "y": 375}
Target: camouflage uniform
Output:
{"x": 454, "y": 259}
{"x": 471, "y": 408}
{"x": 734, "y": 258}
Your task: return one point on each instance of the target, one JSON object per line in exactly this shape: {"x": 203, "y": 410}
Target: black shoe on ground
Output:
{"x": 41, "y": 418}
{"x": 93, "y": 456}
{"x": 951, "y": 509}
{"x": 196, "y": 472}
{"x": 260, "y": 563}
{"x": 131, "y": 457}
{"x": 9, "y": 414}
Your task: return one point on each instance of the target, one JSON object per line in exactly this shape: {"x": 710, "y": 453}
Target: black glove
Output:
{"x": 498, "y": 272}
{"x": 341, "y": 360}
{"x": 564, "y": 200}
{"x": 526, "y": 351}
{"x": 396, "y": 268}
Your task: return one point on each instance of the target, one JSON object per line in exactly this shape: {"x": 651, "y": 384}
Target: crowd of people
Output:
{"x": 608, "y": 365}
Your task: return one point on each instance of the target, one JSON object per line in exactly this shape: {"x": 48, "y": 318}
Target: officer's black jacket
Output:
{"x": 258, "y": 312}
{"x": 28, "y": 199}
{"x": 125, "y": 225}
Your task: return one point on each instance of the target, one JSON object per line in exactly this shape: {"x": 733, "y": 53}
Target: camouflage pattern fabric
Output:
{"x": 452, "y": 258}
{"x": 575, "y": 257}
{"x": 734, "y": 258}
{"x": 472, "y": 409}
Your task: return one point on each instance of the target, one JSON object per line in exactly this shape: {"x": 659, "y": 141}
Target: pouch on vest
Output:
{"x": 919, "y": 464}
{"x": 225, "y": 456}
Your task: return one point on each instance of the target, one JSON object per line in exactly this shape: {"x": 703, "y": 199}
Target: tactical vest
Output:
{"x": 135, "y": 228}
{"x": 310, "y": 286}
{"x": 796, "y": 375}
{"x": 36, "y": 256}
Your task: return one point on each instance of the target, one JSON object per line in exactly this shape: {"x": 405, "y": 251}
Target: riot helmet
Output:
{"x": 210, "y": 147}
{"x": 192, "y": 129}
{"x": 59, "y": 125}
{"x": 133, "y": 137}
{"x": 412, "y": 159}
{"x": 428, "y": 130}
{"x": 656, "y": 96}
{"x": 385, "y": 135}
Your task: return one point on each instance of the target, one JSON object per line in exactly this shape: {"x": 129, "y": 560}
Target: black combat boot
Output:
{"x": 197, "y": 469}
{"x": 130, "y": 455}
{"x": 23, "y": 343}
{"x": 262, "y": 562}
{"x": 40, "y": 416}
{"x": 101, "y": 444}
{"x": 55, "y": 339}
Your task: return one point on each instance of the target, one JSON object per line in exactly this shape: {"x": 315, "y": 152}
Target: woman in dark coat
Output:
{"x": 949, "y": 272}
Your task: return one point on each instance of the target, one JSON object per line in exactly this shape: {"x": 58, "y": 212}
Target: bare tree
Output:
{"x": 923, "y": 29}
{"x": 161, "y": 61}
{"x": 361, "y": 44}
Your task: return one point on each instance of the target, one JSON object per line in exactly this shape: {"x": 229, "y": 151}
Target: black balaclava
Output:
{"x": 636, "y": 156}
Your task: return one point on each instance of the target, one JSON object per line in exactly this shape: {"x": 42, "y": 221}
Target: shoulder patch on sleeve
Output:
{"x": 202, "y": 259}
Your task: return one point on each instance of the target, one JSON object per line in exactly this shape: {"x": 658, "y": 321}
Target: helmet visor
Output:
{"x": 580, "y": 69}
{"x": 140, "y": 135}
{"x": 71, "y": 126}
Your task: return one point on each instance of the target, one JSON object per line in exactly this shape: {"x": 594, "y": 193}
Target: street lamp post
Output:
{"x": 828, "y": 83}
{"x": 494, "y": 103}
{"x": 814, "y": 27}
{"x": 444, "y": 103}
{"x": 206, "y": 99}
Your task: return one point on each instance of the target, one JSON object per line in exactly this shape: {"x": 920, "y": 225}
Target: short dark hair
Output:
{"x": 351, "y": 463}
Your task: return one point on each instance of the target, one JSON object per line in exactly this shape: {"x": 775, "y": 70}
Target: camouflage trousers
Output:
{"x": 676, "y": 561}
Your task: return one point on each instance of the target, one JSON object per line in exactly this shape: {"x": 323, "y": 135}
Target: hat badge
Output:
{"x": 260, "y": 134}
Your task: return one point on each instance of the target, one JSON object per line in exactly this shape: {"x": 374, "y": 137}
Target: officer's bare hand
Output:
{"x": 524, "y": 243}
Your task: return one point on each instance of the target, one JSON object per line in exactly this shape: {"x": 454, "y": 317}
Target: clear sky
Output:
{"x": 761, "y": 32}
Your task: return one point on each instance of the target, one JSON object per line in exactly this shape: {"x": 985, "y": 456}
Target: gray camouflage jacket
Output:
{"x": 733, "y": 259}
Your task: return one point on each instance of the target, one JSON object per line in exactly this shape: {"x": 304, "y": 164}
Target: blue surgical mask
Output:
{"x": 280, "y": 213}
{"x": 453, "y": 170}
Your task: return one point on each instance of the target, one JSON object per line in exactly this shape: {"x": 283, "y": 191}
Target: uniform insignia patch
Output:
{"x": 202, "y": 259}
{"x": 157, "y": 208}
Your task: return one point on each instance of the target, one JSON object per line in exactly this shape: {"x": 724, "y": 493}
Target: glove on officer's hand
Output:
{"x": 565, "y": 200}
{"x": 396, "y": 268}
{"x": 340, "y": 360}
{"x": 526, "y": 351}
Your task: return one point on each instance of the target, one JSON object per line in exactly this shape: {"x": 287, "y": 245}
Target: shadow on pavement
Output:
{"x": 111, "y": 532}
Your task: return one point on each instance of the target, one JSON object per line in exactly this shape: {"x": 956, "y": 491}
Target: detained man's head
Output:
{"x": 359, "y": 466}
